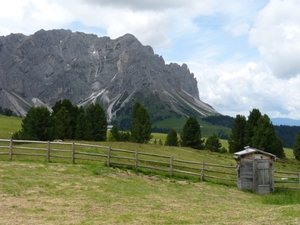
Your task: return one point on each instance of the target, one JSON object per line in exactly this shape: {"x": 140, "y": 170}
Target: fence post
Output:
{"x": 108, "y": 157}
{"x": 48, "y": 151}
{"x": 73, "y": 153}
{"x": 10, "y": 149}
{"x": 136, "y": 159}
{"x": 171, "y": 166}
{"x": 202, "y": 172}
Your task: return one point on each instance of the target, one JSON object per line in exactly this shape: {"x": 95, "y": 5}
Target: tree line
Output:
{"x": 64, "y": 121}
{"x": 257, "y": 131}
{"x": 6, "y": 111}
{"x": 286, "y": 133}
{"x": 68, "y": 121}
{"x": 190, "y": 136}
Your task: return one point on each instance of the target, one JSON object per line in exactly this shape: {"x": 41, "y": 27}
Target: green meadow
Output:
{"x": 62, "y": 193}
{"x": 33, "y": 191}
{"x": 9, "y": 125}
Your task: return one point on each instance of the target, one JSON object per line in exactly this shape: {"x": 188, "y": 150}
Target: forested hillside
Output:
{"x": 286, "y": 133}
{"x": 225, "y": 121}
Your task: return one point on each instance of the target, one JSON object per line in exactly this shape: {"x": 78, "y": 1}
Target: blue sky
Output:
{"x": 244, "y": 54}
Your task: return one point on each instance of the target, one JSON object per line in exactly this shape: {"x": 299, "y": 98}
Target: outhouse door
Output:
{"x": 263, "y": 176}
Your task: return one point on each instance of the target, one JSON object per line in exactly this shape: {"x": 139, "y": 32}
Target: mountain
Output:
{"x": 47, "y": 66}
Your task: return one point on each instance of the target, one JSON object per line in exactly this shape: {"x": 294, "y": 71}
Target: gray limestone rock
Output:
{"x": 58, "y": 64}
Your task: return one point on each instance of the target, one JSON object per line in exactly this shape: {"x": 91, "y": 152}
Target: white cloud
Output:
{"x": 251, "y": 86}
{"x": 209, "y": 35}
{"x": 27, "y": 16}
{"x": 240, "y": 29}
{"x": 45, "y": 12}
{"x": 149, "y": 27}
{"x": 145, "y": 5}
{"x": 276, "y": 33}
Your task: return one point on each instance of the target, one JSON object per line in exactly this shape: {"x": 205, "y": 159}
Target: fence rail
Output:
{"x": 287, "y": 179}
{"x": 79, "y": 152}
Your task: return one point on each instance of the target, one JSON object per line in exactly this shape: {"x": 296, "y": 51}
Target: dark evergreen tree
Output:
{"x": 172, "y": 139}
{"x": 236, "y": 139}
{"x": 73, "y": 112}
{"x": 81, "y": 124}
{"x": 257, "y": 132}
{"x": 7, "y": 112}
{"x": 296, "y": 148}
{"x": 213, "y": 143}
{"x": 191, "y": 134}
{"x": 97, "y": 121}
{"x": 265, "y": 138}
{"x": 124, "y": 136}
{"x": 220, "y": 120}
{"x": 62, "y": 124}
{"x": 277, "y": 148}
{"x": 115, "y": 133}
{"x": 82, "y": 130}
{"x": 141, "y": 125}
{"x": 252, "y": 123}
{"x": 37, "y": 125}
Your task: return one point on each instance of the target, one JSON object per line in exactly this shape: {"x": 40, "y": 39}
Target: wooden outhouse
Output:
{"x": 255, "y": 170}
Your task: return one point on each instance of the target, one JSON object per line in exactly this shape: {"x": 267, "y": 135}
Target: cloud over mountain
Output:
{"x": 226, "y": 36}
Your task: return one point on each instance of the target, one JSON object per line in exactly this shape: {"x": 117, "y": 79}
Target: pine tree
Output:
{"x": 83, "y": 128}
{"x": 115, "y": 133}
{"x": 213, "y": 143}
{"x": 38, "y": 125}
{"x": 191, "y": 134}
{"x": 124, "y": 136}
{"x": 252, "y": 123}
{"x": 236, "y": 139}
{"x": 72, "y": 114}
{"x": 172, "y": 139}
{"x": 265, "y": 138}
{"x": 141, "y": 125}
{"x": 258, "y": 132}
{"x": 296, "y": 148}
{"x": 97, "y": 121}
{"x": 62, "y": 124}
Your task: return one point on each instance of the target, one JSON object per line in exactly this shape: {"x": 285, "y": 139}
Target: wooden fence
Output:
{"x": 287, "y": 179}
{"x": 78, "y": 152}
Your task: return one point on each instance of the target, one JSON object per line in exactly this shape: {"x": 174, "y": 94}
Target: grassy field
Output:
{"x": 53, "y": 193}
{"x": 33, "y": 191}
{"x": 9, "y": 125}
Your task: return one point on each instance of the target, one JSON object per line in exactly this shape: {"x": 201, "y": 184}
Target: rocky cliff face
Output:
{"x": 51, "y": 65}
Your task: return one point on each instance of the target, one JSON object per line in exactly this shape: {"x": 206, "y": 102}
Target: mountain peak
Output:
{"x": 84, "y": 68}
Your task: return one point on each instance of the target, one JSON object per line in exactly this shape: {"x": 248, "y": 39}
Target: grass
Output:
{"x": 33, "y": 191}
{"x": 282, "y": 197}
{"x": 54, "y": 193}
{"x": 9, "y": 125}
{"x": 289, "y": 153}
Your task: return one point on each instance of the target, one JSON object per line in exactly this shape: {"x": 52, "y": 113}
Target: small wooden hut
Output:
{"x": 255, "y": 170}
